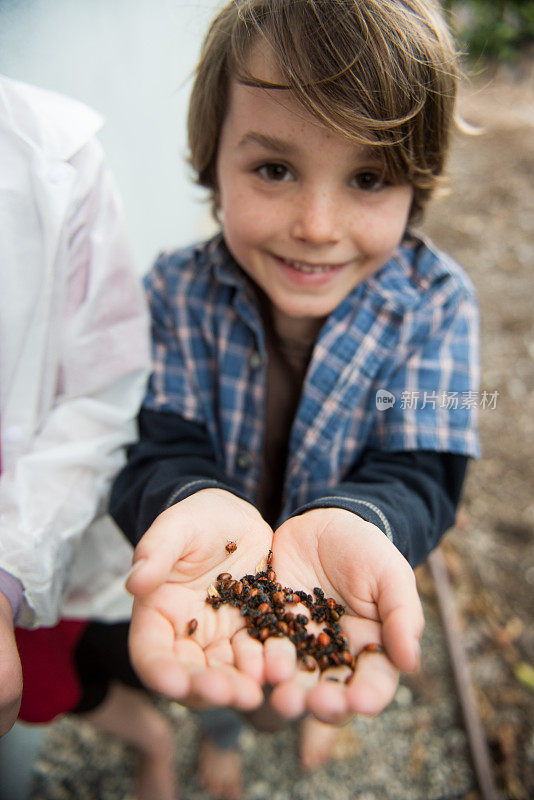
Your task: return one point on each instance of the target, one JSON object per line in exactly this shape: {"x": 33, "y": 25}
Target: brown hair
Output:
{"x": 380, "y": 72}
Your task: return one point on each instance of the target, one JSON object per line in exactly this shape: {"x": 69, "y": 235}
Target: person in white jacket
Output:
{"x": 74, "y": 358}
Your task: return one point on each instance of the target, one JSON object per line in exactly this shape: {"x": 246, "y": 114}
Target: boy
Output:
{"x": 320, "y": 129}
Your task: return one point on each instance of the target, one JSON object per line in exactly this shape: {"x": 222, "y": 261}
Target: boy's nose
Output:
{"x": 316, "y": 218}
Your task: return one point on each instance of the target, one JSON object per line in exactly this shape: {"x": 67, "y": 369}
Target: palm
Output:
{"x": 307, "y": 557}
{"x": 217, "y": 663}
{"x": 341, "y": 554}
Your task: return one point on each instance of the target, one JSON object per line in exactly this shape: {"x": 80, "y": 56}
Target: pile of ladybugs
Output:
{"x": 263, "y": 602}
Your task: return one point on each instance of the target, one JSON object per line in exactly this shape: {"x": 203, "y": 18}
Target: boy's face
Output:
{"x": 305, "y": 212}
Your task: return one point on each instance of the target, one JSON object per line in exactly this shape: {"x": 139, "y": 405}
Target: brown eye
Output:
{"x": 274, "y": 172}
{"x": 369, "y": 181}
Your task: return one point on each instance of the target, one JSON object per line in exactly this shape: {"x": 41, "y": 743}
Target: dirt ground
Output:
{"x": 487, "y": 224}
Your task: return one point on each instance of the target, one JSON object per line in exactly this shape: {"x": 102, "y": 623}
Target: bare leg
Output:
{"x": 220, "y": 770}
{"x": 317, "y": 742}
{"x": 127, "y": 714}
{"x": 219, "y": 766}
{"x": 219, "y": 758}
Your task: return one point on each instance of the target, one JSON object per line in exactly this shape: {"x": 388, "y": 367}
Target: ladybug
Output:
{"x": 231, "y": 547}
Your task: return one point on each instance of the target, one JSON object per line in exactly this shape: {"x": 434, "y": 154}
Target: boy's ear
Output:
{"x": 416, "y": 214}
{"x": 216, "y": 204}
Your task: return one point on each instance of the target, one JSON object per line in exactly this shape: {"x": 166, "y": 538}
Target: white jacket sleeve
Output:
{"x": 99, "y": 357}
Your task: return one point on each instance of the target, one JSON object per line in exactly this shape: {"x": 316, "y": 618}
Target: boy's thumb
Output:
{"x": 136, "y": 582}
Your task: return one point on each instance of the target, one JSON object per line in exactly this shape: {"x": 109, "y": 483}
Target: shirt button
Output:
{"x": 244, "y": 460}
{"x": 255, "y": 360}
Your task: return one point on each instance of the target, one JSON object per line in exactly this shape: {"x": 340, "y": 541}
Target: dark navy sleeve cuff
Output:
{"x": 411, "y": 496}
{"x": 362, "y": 508}
{"x": 191, "y": 486}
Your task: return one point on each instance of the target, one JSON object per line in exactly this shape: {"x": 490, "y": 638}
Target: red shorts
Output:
{"x": 50, "y": 684}
{"x": 68, "y": 668}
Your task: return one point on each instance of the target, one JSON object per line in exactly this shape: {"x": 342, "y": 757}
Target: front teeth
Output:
{"x": 308, "y": 268}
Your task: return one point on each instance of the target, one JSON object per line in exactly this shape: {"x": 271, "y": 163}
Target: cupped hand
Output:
{"x": 176, "y": 561}
{"x": 10, "y": 670}
{"x": 352, "y": 561}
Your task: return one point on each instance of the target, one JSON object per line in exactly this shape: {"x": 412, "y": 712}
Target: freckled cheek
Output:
{"x": 380, "y": 234}
{"x": 372, "y": 240}
{"x": 250, "y": 219}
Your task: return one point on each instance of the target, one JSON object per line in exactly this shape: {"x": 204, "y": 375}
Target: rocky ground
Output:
{"x": 417, "y": 749}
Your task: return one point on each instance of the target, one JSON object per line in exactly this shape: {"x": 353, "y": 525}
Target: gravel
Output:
{"x": 415, "y": 750}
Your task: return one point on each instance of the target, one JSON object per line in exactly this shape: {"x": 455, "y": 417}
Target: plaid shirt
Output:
{"x": 411, "y": 330}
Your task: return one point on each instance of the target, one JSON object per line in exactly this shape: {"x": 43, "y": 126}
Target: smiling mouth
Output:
{"x": 311, "y": 269}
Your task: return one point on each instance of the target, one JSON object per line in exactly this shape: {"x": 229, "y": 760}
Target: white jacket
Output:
{"x": 74, "y": 358}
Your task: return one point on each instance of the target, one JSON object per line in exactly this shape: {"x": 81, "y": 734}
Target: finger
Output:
{"x": 223, "y": 685}
{"x": 213, "y": 686}
{"x": 402, "y": 618}
{"x": 373, "y": 684}
{"x": 154, "y": 557}
{"x": 402, "y": 639}
{"x": 327, "y": 701}
{"x": 219, "y": 652}
{"x": 289, "y": 698}
{"x": 153, "y": 656}
{"x": 247, "y": 693}
{"x": 360, "y": 631}
{"x": 249, "y": 656}
{"x": 280, "y": 657}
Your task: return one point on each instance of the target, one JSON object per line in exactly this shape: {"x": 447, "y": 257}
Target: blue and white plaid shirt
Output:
{"x": 395, "y": 366}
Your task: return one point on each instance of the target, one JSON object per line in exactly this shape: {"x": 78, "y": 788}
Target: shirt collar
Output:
{"x": 228, "y": 272}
